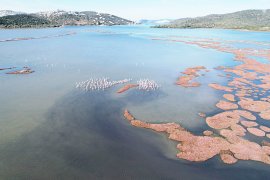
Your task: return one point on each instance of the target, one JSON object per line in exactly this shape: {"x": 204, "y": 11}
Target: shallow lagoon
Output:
{"x": 49, "y": 129}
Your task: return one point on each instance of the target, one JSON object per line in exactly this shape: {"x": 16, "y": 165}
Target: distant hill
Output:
{"x": 248, "y": 19}
{"x": 82, "y": 18}
{"x": 60, "y": 18}
{"x": 9, "y": 13}
{"x": 154, "y": 22}
{"x": 24, "y": 21}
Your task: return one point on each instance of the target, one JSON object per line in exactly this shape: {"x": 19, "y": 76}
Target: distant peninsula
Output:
{"x": 256, "y": 20}
{"x": 11, "y": 19}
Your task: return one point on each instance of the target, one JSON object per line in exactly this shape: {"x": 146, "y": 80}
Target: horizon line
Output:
{"x": 30, "y": 12}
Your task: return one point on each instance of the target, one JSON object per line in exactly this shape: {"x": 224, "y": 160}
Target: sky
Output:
{"x": 139, "y": 9}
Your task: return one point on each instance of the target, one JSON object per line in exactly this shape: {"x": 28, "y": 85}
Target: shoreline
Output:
{"x": 154, "y": 27}
{"x": 63, "y": 26}
{"x": 232, "y": 29}
{"x": 247, "y": 102}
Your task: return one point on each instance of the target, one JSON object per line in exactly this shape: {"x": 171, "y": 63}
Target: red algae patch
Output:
{"x": 193, "y": 71}
{"x": 255, "y": 106}
{"x": 224, "y": 105}
{"x": 241, "y": 93}
{"x": 192, "y": 148}
{"x": 189, "y": 75}
{"x": 265, "y": 129}
{"x": 249, "y": 124}
{"x": 265, "y": 115}
{"x": 266, "y": 149}
{"x": 230, "y": 147}
{"x": 219, "y": 87}
{"x": 26, "y": 70}
{"x": 241, "y": 80}
{"x": 199, "y": 148}
{"x": 229, "y": 97}
{"x": 244, "y": 149}
{"x": 229, "y": 119}
{"x": 238, "y": 130}
{"x": 223, "y": 120}
{"x": 185, "y": 81}
{"x": 256, "y": 132}
{"x": 245, "y": 114}
{"x": 127, "y": 87}
{"x": 208, "y": 133}
{"x": 128, "y": 116}
{"x": 242, "y": 73}
{"x": 227, "y": 157}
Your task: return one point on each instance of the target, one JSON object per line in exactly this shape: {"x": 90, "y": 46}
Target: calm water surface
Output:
{"x": 50, "y": 130}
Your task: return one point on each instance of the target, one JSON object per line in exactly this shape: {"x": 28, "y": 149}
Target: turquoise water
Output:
{"x": 50, "y": 130}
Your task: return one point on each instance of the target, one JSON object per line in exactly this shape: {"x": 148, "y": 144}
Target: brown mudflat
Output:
{"x": 127, "y": 87}
{"x": 245, "y": 100}
{"x": 189, "y": 75}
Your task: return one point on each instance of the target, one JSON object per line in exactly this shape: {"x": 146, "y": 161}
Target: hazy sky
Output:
{"x": 139, "y": 9}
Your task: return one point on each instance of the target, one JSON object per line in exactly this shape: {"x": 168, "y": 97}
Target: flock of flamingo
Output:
{"x": 101, "y": 84}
